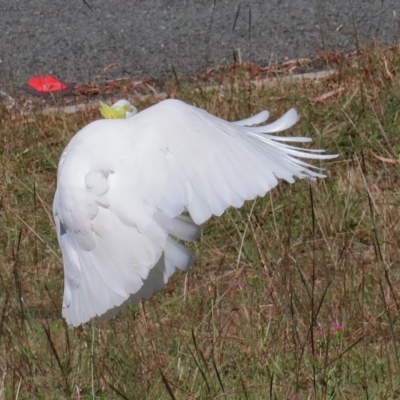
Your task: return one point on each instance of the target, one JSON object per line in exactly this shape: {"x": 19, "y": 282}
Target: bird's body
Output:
{"x": 123, "y": 185}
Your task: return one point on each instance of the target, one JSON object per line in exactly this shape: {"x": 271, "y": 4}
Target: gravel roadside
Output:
{"x": 92, "y": 40}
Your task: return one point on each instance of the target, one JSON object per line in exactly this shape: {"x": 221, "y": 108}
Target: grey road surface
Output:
{"x": 77, "y": 39}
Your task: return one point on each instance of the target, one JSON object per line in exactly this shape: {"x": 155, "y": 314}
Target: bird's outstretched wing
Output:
{"x": 123, "y": 185}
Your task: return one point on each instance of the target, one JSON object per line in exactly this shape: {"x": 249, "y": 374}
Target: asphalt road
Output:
{"x": 77, "y": 39}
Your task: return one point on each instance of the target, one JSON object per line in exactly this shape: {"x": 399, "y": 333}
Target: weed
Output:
{"x": 294, "y": 296}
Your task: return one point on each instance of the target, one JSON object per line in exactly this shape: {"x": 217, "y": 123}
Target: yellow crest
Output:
{"x": 111, "y": 112}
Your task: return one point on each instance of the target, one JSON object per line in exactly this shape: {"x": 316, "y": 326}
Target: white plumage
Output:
{"x": 123, "y": 185}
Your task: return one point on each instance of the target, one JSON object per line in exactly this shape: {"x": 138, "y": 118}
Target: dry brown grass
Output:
{"x": 294, "y": 296}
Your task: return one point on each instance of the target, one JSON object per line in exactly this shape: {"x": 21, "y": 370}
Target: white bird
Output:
{"x": 126, "y": 188}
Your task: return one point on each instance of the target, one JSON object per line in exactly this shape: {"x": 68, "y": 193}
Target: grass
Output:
{"x": 294, "y": 296}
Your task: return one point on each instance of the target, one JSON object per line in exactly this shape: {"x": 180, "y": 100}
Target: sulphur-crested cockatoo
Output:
{"x": 130, "y": 184}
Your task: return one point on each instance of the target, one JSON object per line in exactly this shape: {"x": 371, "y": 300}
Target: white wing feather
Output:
{"x": 123, "y": 185}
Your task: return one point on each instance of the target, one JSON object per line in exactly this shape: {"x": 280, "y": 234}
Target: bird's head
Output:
{"x": 121, "y": 109}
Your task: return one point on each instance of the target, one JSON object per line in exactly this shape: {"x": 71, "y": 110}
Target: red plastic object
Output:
{"x": 46, "y": 84}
